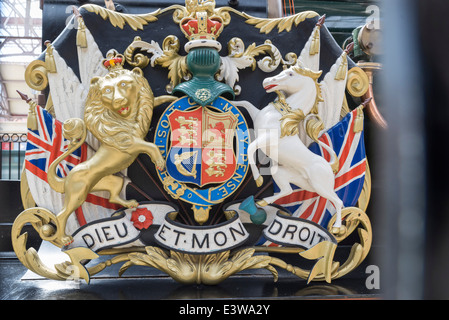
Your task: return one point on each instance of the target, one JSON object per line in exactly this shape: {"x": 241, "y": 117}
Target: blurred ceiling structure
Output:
{"x": 20, "y": 43}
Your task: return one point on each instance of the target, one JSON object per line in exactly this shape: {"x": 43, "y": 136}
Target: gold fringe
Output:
{"x": 344, "y": 108}
{"x": 50, "y": 107}
{"x": 81, "y": 40}
{"x": 315, "y": 45}
{"x": 358, "y": 121}
{"x": 342, "y": 68}
{"x": 50, "y": 59}
{"x": 32, "y": 118}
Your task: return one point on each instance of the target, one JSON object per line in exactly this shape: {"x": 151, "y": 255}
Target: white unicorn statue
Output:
{"x": 285, "y": 127}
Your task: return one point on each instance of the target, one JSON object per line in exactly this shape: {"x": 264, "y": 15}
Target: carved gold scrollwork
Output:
{"x": 167, "y": 57}
{"x": 240, "y": 57}
{"x": 45, "y": 223}
{"x": 324, "y": 268}
{"x": 176, "y": 64}
{"x": 365, "y": 195}
{"x": 327, "y": 269}
{"x": 117, "y": 19}
{"x": 179, "y": 13}
{"x": 358, "y": 82}
{"x": 135, "y": 59}
{"x": 269, "y": 63}
{"x": 354, "y": 217}
{"x": 207, "y": 269}
{"x": 36, "y": 75}
{"x": 285, "y": 23}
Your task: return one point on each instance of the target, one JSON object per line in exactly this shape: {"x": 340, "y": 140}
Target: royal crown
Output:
{"x": 202, "y": 30}
{"x": 113, "y": 60}
{"x": 202, "y": 27}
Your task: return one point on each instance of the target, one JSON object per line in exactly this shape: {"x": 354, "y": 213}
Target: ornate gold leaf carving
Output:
{"x": 135, "y": 59}
{"x": 36, "y": 75}
{"x": 358, "y": 82}
{"x": 117, "y": 19}
{"x": 167, "y": 57}
{"x": 353, "y": 217}
{"x": 366, "y": 190}
{"x": 240, "y": 57}
{"x": 176, "y": 64}
{"x": 43, "y": 221}
{"x": 266, "y": 48}
{"x": 206, "y": 269}
{"x": 286, "y": 23}
{"x": 169, "y": 182}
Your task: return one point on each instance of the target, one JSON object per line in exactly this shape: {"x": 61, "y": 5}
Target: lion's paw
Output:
{"x": 132, "y": 204}
{"x": 160, "y": 164}
{"x": 66, "y": 240}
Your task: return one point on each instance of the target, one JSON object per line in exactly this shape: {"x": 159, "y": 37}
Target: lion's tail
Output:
{"x": 75, "y": 131}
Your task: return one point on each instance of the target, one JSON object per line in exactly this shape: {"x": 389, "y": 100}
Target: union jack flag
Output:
{"x": 350, "y": 149}
{"x": 45, "y": 145}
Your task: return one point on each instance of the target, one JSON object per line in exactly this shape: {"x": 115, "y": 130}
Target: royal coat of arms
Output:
{"x": 196, "y": 136}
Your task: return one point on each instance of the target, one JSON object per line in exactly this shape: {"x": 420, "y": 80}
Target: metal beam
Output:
{"x": 21, "y": 30}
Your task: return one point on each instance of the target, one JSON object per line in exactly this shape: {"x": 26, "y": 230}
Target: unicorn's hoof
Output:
{"x": 262, "y": 203}
{"x": 338, "y": 231}
{"x": 259, "y": 181}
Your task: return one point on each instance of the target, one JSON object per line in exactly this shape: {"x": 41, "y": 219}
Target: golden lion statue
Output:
{"x": 118, "y": 113}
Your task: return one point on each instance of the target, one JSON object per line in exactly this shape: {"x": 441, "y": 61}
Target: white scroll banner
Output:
{"x": 202, "y": 240}
{"x": 297, "y": 232}
{"x": 119, "y": 229}
{"x": 105, "y": 233}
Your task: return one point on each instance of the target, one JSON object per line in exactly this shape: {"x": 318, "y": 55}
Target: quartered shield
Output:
{"x": 201, "y": 146}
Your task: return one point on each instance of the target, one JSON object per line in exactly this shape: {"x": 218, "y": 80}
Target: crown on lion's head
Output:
{"x": 119, "y": 104}
{"x": 113, "y": 60}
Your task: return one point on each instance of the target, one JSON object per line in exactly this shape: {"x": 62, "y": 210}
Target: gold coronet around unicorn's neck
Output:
{"x": 281, "y": 104}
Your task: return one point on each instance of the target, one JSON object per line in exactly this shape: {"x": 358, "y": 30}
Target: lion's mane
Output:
{"x": 107, "y": 126}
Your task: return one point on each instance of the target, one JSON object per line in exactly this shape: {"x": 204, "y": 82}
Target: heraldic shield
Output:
{"x": 202, "y": 146}
{"x": 197, "y": 140}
